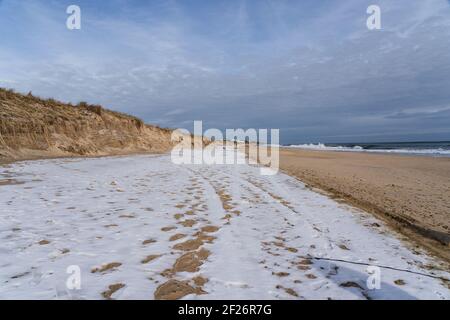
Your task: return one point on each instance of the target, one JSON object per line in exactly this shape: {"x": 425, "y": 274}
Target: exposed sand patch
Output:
{"x": 111, "y": 225}
{"x": 209, "y": 229}
{"x": 174, "y": 289}
{"x": 129, "y": 216}
{"x": 400, "y": 282}
{"x": 305, "y": 262}
{"x": 149, "y": 258}
{"x": 200, "y": 281}
{"x": 106, "y": 267}
{"x": 289, "y": 291}
{"x": 204, "y": 237}
{"x": 351, "y": 284}
{"x": 188, "y": 223}
{"x": 177, "y": 237}
{"x": 225, "y": 198}
{"x": 112, "y": 289}
{"x": 278, "y": 244}
{"x": 148, "y": 241}
{"x": 165, "y": 229}
{"x": 191, "y": 261}
{"x": 189, "y": 245}
{"x": 280, "y": 274}
{"x": 303, "y": 268}
{"x": 7, "y": 182}
{"x": 285, "y": 203}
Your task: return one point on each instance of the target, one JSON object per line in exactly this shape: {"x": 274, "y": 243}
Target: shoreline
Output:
{"x": 385, "y": 153}
{"x": 405, "y": 191}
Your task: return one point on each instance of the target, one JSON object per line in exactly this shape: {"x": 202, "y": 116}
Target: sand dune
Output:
{"x": 31, "y": 127}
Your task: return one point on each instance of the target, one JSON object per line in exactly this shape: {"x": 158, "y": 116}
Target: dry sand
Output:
{"x": 412, "y": 193}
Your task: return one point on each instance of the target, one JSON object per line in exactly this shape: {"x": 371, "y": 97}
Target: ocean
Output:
{"x": 425, "y": 148}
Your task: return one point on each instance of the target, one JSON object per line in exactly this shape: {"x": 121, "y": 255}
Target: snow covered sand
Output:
{"x": 142, "y": 227}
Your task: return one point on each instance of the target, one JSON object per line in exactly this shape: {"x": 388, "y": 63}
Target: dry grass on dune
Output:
{"x": 32, "y": 127}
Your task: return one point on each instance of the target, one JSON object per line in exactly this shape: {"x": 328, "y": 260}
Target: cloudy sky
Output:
{"x": 310, "y": 68}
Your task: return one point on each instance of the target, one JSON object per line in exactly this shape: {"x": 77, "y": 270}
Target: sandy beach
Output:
{"x": 147, "y": 228}
{"x": 411, "y": 193}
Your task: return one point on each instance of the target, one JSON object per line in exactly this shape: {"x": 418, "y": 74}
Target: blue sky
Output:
{"x": 310, "y": 68}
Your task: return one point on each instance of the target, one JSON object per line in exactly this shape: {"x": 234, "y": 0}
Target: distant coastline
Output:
{"x": 424, "y": 148}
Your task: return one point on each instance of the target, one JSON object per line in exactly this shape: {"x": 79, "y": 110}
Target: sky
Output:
{"x": 309, "y": 68}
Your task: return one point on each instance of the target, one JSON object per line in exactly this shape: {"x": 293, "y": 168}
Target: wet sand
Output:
{"x": 411, "y": 193}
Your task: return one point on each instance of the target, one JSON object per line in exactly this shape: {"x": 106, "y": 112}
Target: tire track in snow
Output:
{"x": 270, "y": 248}
{"x": 194, "y": 254}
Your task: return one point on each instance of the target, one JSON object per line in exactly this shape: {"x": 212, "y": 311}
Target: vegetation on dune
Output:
{"x": 28, "y": 122}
